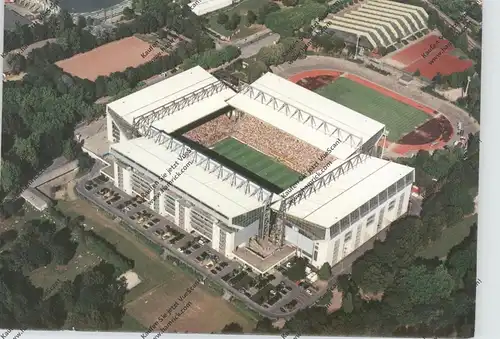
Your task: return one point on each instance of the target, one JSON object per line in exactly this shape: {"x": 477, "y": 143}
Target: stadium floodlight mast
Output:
{"x": 357, "y": 46}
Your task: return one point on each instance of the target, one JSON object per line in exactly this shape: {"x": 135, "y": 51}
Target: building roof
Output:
{"x": 348, "y": 191}
{"x": 318, "y": 118}
{"x": 170, "y": 90}
{"x": 36, "y": 198}
{"x": 200, "y": 7}
{"x": 381, "y": 22}
{"x": 207, "y": 187}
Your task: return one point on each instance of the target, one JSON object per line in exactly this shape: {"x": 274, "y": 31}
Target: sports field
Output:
{"x": 257, "y": 162}
{"x": 399, "y": 118}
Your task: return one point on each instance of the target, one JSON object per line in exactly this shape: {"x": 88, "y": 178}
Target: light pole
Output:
{"x": 356, "y": 52}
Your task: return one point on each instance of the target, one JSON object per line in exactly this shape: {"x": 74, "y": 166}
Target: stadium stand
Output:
{"x": 378, "y": 23}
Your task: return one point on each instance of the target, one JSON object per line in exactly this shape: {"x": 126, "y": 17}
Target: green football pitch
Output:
{"x": 257, "y": 162}
{"x": 399, "y": 118}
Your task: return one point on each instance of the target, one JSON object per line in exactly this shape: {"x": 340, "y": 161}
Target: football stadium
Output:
{"x": 265, "y": 171}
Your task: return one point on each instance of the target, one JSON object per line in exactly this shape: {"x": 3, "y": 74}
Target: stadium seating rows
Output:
{"x": 294, "y": 153}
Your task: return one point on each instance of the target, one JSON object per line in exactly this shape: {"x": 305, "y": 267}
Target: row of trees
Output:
{"x": 418, "y": 297}
{"x": 287, "y": 50}
{"x": 93, "y": 300}
{"x": 212, "y": 58}
{"x": 41, "y": 111}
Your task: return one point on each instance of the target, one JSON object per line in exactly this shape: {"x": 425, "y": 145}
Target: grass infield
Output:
{"x": 257, "y": 162}
{"x": 399, "y": 118}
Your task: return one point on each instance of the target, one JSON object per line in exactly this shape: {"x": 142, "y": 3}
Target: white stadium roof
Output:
{"x": 275, "y": 101}
{"x": 175, "y": 91}
{"x": 347, "y": 192}
{"x": 381, "y": 22}
{"x": 204, "y": 185}
{"x": 201, "y": 7}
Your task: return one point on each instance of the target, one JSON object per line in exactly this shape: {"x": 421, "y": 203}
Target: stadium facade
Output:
{"x": 377, "y": 23}
{"x": 337, "y": 205}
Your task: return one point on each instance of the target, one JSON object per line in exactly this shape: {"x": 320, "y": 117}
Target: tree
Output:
{"x": 325, "y": 271}
{"x": 265, "y": 326}
{"x": 251, "y": 17}
{"x": 81, "y": 22}
{"x": 233, "y": 22}
{"x": 11, "y": 176}
{"x": 232, "y": 328}
{"x": 416, "y": 73}
{"x": 128, "y": 13}
{"x": 222, "y": 18}
{"x": 290, "y": 3}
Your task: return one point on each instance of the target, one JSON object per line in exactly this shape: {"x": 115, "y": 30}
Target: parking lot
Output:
{"x": 274, "y": 292}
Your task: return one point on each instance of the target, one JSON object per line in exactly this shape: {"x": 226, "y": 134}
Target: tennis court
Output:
{"x": 257, "y": 162}
{"x": 398, "y": 117}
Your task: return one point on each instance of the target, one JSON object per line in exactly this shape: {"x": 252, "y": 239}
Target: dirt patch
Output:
{"x": 204, "y": 313}
{"x": 315, "y": 79}
{"x": 336, "y": 302}
{"x": 433, "y": 130}
{"x": 431, "y": 56}
{"x": 115, "y": 56}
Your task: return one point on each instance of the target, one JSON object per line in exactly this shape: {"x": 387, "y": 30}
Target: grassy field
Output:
{"x": 257, "y": 162}
{"x": 162, "y": 283}
{"x": 399, "y": 118}
{"x": 451, "y": 236}
{"x": 242, "y": 8}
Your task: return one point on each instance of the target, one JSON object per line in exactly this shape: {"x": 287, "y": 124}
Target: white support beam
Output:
{"x": 302, "y": 116}
{"x": 325, "y": 180}
{"x": 143, "y": 122}
{"x": 209, "y": 165}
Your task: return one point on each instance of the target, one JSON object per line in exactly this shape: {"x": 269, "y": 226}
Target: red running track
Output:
{"x": 314, "y": 73}
{"x": 391, "y": 94}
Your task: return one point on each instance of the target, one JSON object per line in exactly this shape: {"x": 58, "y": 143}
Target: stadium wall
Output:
{"x": 335, "y": 247}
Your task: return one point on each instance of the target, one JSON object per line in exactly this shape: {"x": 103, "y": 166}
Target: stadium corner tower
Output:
{"x": 165, "y": 143}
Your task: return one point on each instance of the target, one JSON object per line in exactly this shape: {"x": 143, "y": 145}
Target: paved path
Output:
{"x": 452, "y": 112}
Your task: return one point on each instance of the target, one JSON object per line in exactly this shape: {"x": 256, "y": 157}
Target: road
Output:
{"x": 452, "y": 112}
{"x": 272, "y": 312}
{"x": 451, "y": 22}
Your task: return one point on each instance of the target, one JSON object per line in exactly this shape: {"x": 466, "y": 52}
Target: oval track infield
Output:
{"x": 432, "y": 134}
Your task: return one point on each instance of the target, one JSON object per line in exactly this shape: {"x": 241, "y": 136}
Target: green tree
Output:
{"x": 251, "y": 17}
{"x": 416, "y": 73}
{"x": 325, "y": 272}
{"x": 232, "y": 328}
{"x": 128, "y": 13}
{"x": 11, "y": 176}
{"x": 222, "y": 18}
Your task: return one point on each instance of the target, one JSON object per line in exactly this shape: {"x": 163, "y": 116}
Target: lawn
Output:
{"x": 399, "y": 118}
{"x": 450, "y": 237}
{"x": 242, "y": 8}
{"x": 162, "y": 282}
{"x": 257, "y": 162}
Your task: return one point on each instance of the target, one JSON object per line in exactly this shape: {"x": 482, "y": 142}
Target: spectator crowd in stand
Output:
{"x": 285, "y": 148}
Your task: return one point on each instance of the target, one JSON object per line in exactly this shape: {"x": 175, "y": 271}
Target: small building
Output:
{"x": 36, "y": 199}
